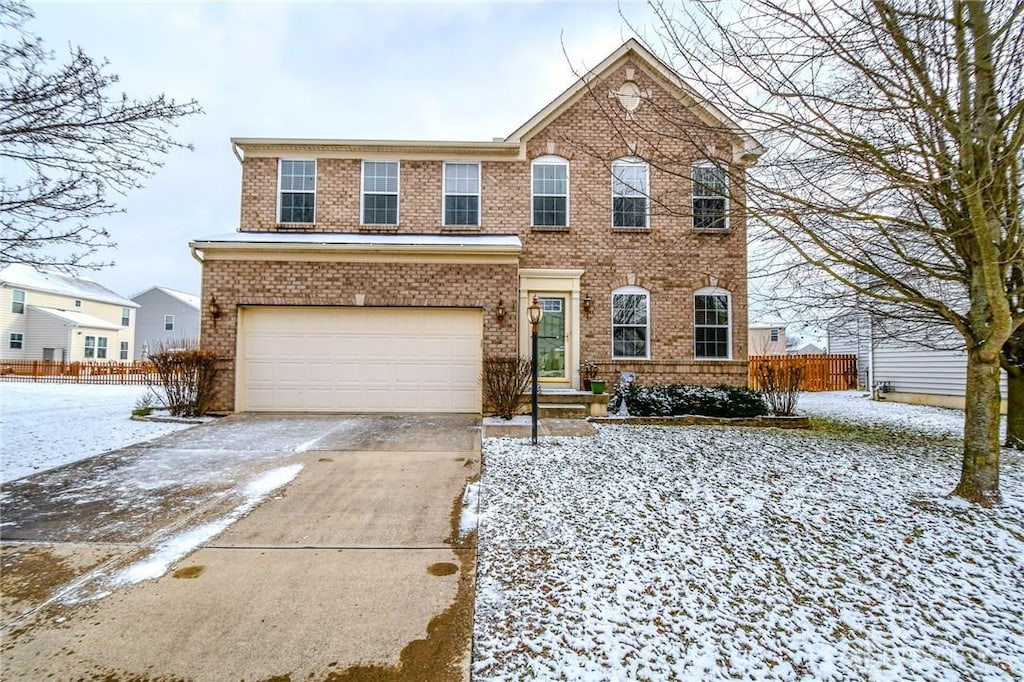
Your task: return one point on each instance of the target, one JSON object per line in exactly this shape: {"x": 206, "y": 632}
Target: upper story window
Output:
{"x": 551, "y": 191}
{"x": 631, "y": 307}
{"x": 380, "y": 192}
{"x": 630, "y": 193}
{"x": 710, "y": 199}
{"x": 773, "y": 334}
{"x": 18, "y": 301}
{"x": 126, "y": 317}
{"x": 168, "y": 323}
{"x": 78, "y": 303}
{"x": 298, "y": 191}
{"x": 711, "y": 308}
{"x": 461, "y": 193}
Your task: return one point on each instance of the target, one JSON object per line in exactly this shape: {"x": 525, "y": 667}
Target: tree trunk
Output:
{"x": 1015, "y": 408}
{"x": 979, "y": 477}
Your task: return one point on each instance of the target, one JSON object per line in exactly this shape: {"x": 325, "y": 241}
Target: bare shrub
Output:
{"x": 185, "y": 375}
{"x": 781, "y": 387}
{"x": 505, "y": 380}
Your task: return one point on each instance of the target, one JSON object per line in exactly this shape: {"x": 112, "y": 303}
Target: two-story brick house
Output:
{"x": 374, "y": 275}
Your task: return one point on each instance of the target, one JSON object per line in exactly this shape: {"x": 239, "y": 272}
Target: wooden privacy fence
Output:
{"x": 45, "y": 371}
{"x": 818, "y": 372}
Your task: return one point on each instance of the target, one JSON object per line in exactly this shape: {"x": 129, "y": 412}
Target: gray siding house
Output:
{"x": 165, "y": 318}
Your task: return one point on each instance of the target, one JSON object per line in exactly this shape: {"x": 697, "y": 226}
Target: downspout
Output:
{"x": 871, "y": 356}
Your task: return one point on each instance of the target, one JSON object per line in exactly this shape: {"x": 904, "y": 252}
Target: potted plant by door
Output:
{"x": 598, "y": 386}
{"x": 588, "y": 370}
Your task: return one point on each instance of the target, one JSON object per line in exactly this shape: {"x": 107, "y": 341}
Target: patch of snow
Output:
{"x": 28, "y": 277}
{"x": 858, "y": 407}
{"x": 518, "y": 420}
{"x": 468, "y": 518}
{"x": 43, "y": 426}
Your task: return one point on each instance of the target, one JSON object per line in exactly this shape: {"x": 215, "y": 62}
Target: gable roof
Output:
{"x": 75, "y": 319}
{"x": 708, "y": 112}
{"x": 23, "y": 276}
{"x": 188, "y": 299}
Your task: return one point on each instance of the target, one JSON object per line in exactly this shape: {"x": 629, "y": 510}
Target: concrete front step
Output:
{"x": 577, "y": 404}
{"x": 548, "y": 410}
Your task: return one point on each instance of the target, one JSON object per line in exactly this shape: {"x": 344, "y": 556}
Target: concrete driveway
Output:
{"x": 353, "y": 571}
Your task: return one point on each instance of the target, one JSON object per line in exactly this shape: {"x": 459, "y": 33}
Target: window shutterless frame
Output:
{"x": 17, "y": 301}
{"x": 296, "y": 178}
{"x": 17, "y": 341}
{"x": 461, "y": 202}
{"x": 631, "y": 324}
{"x": 712, "y": 324}
{"x": 710, "y": 191}
{"x": 168, "y": 323}
{"x": 379, "y": 186}
{"x": 126, "y": 317}
{"x": 631, "y": 194}
{"x": 549, "y": 192}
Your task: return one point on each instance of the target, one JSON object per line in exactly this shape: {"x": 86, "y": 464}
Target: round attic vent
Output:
{"x": 629, "y": 96}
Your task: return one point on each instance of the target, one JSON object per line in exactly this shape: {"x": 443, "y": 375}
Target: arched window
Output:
{"x": 631, "y": 324}
{"x": 710, "y": 196}
{"x": 550, "y": 191}
{"x": 712, "y": 331}
{"x": 630, "y": 193}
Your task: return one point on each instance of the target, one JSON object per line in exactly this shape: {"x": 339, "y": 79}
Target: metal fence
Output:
{"x": 817, "y": 372}
{"x": 96, "y": 372}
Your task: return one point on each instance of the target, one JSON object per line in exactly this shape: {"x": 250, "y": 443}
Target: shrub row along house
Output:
{"x": 374, "y": 275}
{"x": 53, "y": 316}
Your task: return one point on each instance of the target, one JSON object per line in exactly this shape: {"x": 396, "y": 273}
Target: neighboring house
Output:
{"x": 902, "y": 370}
{"x": 374, "y": 275}
{"x": 166, "y": 318}
{"x": 767, "y": 339}
{"x": 48, "y": 315}
{"x": 807, "y": 349}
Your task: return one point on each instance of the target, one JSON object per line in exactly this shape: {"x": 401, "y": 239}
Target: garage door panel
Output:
{"x": 360, "y": 359}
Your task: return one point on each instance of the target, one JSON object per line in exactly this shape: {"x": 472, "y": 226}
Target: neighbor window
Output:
{"x": 78, "y": 304}
{"x": 710, "y": 204}
{"x": 630, "y": 323}
{"x": 551, "y": 191}
{"x": 126, "y": 317}
{"x": 124, "y": 350}
{"x": 774, "y": 334}
{"x": 90, "y": 347}
{"x": 630, "y": 191}
{"x": 17, "y": 340}
{"x": 17, "y": 301}
{"x": 101, "y": 348}
{"x": 298, "y": 191}
{"x": 168, "y": 323}
{"x": 461, "y": 194}
{"x": 380, "y": 192}
{"x": 711, "y": 323}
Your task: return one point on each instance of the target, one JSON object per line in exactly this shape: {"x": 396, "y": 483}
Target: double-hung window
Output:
{"x": 90, "y": 347}
{"x": 101, "y": 348}
{"x": 126, "y": 317}
{"x": 298, "y": 191}
{"x": 380, "y": 192}
{"x": 711, "y": 324}
{"x": 630, "y": 193}
{"x": 550, "y": 192}
{"x": 17, "y": 340}
{"x": 124, "y": 350}
{"x": 710, "y": 198}
{"x": 18, "y": 301}
{"x": 168, "y": 323}
{"x": 631, "y": 323}
{"x": 461, "y": 193}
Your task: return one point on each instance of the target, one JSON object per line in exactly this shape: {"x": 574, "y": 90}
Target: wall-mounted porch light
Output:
{"x": 500, "y": 312}
{"x": 588, "y": 304}
{"x": 215, "y": 311}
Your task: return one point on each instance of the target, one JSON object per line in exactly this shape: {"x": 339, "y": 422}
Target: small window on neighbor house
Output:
{"x": 550, "y": 191}
{"x": 461, "y": 193}
{"x": 710, "y": 203}
{"x": 380, "y": 192}
{"x": 774, "y": 334}
{"x": 630, "y": 323}
{"x": 124, "y": 350}
{"x": 168, "y": 323}
{"x": 17, "y": 301}
{"x": 17, "y": 340}
{"x": 711, "y": 324}
{"x": 101, "y": 348}
{"x": 78, "y": 303}
{"x": 90, "y": 347}
{"x": 630, "y": 191}
{"x": 126, "y": 317}
{"x": 298, "y": 191}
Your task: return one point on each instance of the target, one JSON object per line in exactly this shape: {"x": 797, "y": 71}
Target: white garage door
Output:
{"x": 294, "y": 359}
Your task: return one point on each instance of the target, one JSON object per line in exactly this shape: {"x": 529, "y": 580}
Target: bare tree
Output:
{"x": 894, "y": 141}
{"x": 66, "y": 141}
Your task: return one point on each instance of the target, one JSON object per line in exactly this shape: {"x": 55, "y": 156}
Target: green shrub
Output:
{"x": 667, "y": 400}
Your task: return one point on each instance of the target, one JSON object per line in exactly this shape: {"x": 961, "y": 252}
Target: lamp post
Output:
{"x": 534, "y": 313}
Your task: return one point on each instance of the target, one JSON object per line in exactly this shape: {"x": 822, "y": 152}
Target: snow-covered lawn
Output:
{"x": 43, "y": 426}
{"x": 697, "y": 553}
{"x": 857, "y": 407}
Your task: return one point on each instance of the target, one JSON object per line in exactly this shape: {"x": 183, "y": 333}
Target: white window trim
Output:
{"x": 126, "y": 314}
{"x": 363, "y": 193}
{"x": 87, "y": 347}
{"x": 171, "y": 318}
{"x": 550, "y": 160}
{"x": 707, "y": 163}
{"x": 14, "y": 300}
{"x": 713, "y": 291}
{"x": 103, "y": 345}
{"x": 638, "y": 163}
{"x": 647, "y": 295}
{"x": 123, "y": 351}
{"x": 479, "y": 193}
{"x": 316, "y": 179}
{"x": 20, "y": 341}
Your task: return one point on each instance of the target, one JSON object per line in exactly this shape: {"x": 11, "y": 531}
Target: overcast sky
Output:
{"x": 455, "y": 71}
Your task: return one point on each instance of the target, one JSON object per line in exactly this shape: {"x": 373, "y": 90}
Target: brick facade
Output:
{"x": 670, "y": 259}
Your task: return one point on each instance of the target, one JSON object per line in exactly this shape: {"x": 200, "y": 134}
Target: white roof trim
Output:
{"x": 336, "y": 241}
{"x": 76, "y": 319}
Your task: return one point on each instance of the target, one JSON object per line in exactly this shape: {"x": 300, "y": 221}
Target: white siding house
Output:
{"x": 48, "y": 315}
{"x": 166, "y": 318}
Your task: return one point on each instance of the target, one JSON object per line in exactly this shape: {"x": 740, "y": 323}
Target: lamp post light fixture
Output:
{"x": 534, "y": 314}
